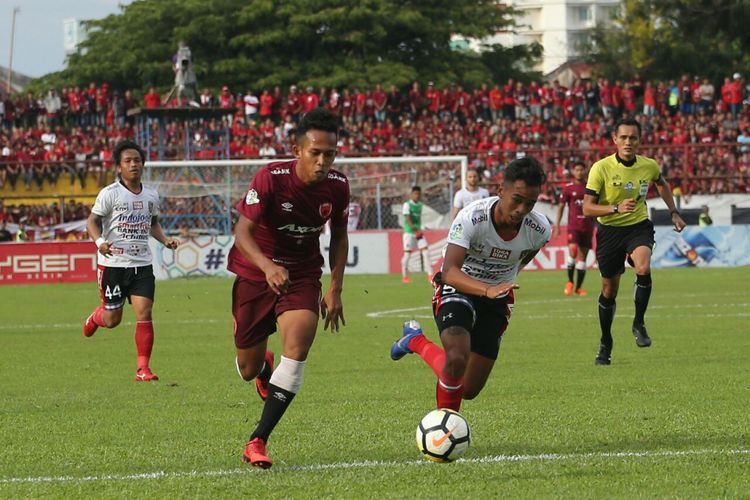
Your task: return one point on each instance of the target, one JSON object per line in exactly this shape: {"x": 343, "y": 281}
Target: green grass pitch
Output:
{"x": 669, "y": 421}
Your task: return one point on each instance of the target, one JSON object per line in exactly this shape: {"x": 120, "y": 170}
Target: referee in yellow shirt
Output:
{"x": 616, "y": 195}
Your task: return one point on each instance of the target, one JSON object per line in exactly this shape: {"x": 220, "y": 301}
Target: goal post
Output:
{"x": 201, "y": 194}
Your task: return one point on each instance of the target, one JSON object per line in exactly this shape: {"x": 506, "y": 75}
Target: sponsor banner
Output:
{"x": 197, "y": 256}
{"x": 710, "y": 246}
{"x": 367, "y": 253}
{"x": 373, "y": 252}
{"x": 53, "y": 262}
{"x": 550, "y": 258}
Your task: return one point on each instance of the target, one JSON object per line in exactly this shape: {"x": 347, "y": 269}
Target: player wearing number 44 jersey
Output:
{"x": 489, "y": 242}
{"x": 276, "y": 257}
{"x": 124, "y": 215}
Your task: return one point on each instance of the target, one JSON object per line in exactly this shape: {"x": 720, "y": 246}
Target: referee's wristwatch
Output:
{"x": 615, "y": 209}
{"x": 674, "y": 211}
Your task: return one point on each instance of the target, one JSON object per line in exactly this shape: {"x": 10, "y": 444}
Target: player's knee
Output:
{"x": 643, "y": 268}
{"x": 112, "y": 319}
{"x": 246, "y": 372}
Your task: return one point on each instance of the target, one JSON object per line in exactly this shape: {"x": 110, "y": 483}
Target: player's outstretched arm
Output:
{"x": 158, "y": 233}
{"x": 332, "y": 309}
{"x": 277, "y": 276}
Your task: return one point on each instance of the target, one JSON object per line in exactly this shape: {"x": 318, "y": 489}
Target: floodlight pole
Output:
{"x": 16, "y": 10}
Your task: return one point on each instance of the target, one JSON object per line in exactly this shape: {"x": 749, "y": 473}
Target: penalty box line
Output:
{"x": 370, "y": 464}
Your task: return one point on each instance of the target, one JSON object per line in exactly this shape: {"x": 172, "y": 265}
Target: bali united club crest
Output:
{"x": 325, "y": 210}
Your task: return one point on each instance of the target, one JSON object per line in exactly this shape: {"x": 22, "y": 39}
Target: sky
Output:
{"x": 38, "y": 48}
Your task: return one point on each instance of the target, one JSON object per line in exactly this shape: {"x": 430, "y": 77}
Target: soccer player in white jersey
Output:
{"x": 489, "y": 242}
{"x": 471, "y": 193}
{"x": 124, "y": 215}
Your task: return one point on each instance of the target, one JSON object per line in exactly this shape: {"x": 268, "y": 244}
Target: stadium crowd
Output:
{"x": 698, "y": 132}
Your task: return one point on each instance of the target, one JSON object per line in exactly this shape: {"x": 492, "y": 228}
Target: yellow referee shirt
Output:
{"x": 613, "y": 182}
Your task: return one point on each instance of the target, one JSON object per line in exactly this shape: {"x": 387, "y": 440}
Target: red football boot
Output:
{"x": 255, "y": 454}
{"x": 145, "y": 375}
{"x": 89, "y": 327}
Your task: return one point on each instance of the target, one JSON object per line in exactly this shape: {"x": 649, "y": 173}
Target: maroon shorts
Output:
{"x": 255, "y": 307}
{"x": 581, "y": 238}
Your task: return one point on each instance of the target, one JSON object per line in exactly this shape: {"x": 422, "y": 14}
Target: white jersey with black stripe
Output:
{"x": 126, "y": 224}
{"x": 489, "y": 258}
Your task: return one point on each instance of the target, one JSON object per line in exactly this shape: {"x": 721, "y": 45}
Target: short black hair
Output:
{"x": 127, "y": 144}
{"x": 416, "y": 188}
{"x": 526, "y": 169}
{"x": 317, "y": 119}
{"x": 628, "y": 122}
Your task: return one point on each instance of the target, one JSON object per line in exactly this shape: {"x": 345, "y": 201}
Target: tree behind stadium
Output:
{"x": 666, "y": 38}
{"x": 262, "y": 43}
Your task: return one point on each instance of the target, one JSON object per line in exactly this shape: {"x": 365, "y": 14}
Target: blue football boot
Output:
{"x": 400, "y": 348}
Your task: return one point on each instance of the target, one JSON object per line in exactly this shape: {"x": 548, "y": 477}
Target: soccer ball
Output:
{"x": 443, "y": 435}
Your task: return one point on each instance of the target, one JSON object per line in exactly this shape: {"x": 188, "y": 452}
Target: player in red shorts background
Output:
{"x": 580, "y": 229}
{"x": 276, "y": 257}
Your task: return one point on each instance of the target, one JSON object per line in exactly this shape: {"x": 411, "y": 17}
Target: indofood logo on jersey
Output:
{"x": 132, "y": 218}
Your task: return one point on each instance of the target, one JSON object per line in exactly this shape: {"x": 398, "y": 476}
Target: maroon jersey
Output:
{"x": 572, "y": 194}
{"x": 290, "y": 217}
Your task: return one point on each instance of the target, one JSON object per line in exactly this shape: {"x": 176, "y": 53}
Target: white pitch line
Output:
{"x": 369, "y": 464}
{"x": 62, "y": 326}
{"x": 401, "y": 313}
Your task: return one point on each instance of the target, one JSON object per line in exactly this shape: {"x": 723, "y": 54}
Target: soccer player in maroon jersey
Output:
{"x": 276, "y": 257}
{"x": 580, "y": 228}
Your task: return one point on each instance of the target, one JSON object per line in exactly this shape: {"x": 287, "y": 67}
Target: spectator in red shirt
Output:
{"x": 152, "y": 99}
{"x": 380, "y": 100}
{"x": 395, "y": 105}
{"x": 266, "y": 105}
{"x": 736, "y": 91}
{"x": 310, "y": 100}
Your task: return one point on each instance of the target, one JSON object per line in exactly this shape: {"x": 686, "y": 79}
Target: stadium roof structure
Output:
{"x": 17, "y": 84}
{"x": 189, "y": 115}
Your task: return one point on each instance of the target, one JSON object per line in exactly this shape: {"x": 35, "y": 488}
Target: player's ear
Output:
{"x": 296, "y": 150}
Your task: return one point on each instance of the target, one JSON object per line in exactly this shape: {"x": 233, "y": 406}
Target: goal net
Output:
{"x": 200, "y": 194}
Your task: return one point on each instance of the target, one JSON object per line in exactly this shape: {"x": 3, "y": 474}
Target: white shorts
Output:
{"x": 411, "y": 242}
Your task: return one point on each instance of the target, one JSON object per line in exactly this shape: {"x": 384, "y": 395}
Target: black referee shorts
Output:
{"x": 614, "y": 243}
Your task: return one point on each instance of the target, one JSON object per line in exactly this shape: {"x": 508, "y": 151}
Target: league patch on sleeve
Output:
{"x": 457, "y": 232}
{"x": 252, "y": 197}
